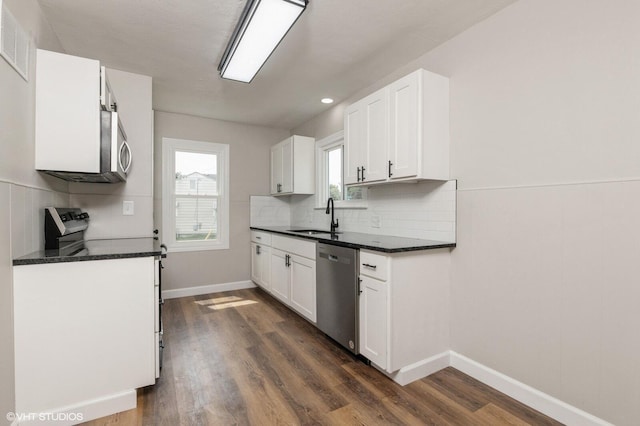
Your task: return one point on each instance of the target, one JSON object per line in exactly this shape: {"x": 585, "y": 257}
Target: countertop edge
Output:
{"x": 67, "y": 259}
{"x": 354, "y": 245}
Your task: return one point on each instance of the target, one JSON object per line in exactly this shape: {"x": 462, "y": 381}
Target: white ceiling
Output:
{"x": 336, "y": 48}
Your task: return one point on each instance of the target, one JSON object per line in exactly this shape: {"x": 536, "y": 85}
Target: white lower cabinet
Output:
{"x": 373, "y": 320}
{"x": 303, "y": 286}
{"x": 261, "y": 265}
{"x": 261, "y": 259}
{"x": 404, "y": 307}
{"x": 85, "y": 334}
{"x": 287, "y": 270}
{"x": 280, "y": 275}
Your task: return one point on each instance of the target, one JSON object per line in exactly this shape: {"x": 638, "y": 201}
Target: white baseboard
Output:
{"x": 420, "y": 369}
{"x": 82, "y": 412}
{"x": 534, "y": 398}
{"x": 206, "y": 289}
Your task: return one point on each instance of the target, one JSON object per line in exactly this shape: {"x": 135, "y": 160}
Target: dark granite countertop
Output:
{"x": 358, "y": 240}
{"x": 119, "y": 248}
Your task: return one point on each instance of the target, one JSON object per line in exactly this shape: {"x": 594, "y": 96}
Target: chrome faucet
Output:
{"x": 334, "y": 225}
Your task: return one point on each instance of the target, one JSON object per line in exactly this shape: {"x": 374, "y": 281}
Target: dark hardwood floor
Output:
{"x": 241, "y": 358}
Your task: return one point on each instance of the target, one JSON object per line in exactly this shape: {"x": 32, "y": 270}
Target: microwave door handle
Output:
{"x": 126, "y": 146}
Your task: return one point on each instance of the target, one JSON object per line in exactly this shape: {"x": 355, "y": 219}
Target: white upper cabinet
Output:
{"x": 400, "y": 132}
{"x": 70, "y": 93}
{"x": 293, "y": 166}
{"x": 366, "y": 128}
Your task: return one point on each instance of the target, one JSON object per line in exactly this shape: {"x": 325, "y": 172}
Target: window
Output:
{"x": 195, "y": 187}
{"x": 330, "y": 157}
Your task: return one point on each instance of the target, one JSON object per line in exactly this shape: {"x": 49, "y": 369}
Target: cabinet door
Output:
{"x": 287, "y": 166}
{"x": 353, "y": 142}
{"x": 280, "y": 275}
{"x": 376, "y": 136}
{"x": 276, "y": 169}
{"x": 256, "y": 267}
{"x": 373, "y": 320}
{"x": 265, "y": 267}
{"x": 261, "y": 265}
{"x": 405, "y": 126}
{"x": 303, "y": 286}
{"x": 67, "y": 113}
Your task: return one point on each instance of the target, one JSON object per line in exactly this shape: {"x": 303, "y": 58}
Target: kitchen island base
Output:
{"x": 84, "y": 335}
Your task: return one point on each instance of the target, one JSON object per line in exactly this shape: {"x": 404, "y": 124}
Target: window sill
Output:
{"x": 341, "y": 205}
{"x": 188, "y": 248}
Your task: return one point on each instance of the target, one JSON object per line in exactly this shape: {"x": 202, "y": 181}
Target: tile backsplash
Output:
{"x": 270, "y": 211}
{"x": 425, "y": 210}
{"x": 27, "y": 216}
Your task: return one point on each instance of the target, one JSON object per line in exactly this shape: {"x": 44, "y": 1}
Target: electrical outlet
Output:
{"x": 127, "y": 208}
{"x": 375, "y": 221}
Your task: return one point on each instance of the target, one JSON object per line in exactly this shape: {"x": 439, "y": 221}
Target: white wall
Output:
{"x": 545, "y": 274}
{"x": 23, "y": 191}
{"x": 103, "y": 202}
{"x": 7, "y": 388}
{"x": 545, "y": 127}
{"x": 249, "y": 175}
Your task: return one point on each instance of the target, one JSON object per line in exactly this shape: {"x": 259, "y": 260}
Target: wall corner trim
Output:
{"x": 546, "y": 404}
{"x": 206, "y": 289}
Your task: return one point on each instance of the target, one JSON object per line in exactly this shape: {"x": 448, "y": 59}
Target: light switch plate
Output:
{"x": 375, "y": 221}
{"x": 127, "y": 208}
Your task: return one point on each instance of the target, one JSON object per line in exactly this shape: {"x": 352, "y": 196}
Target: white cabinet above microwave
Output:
{"x": 79, "y": 136}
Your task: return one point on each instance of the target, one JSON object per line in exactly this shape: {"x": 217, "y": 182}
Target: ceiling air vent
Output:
{"x": 14, "y": 42}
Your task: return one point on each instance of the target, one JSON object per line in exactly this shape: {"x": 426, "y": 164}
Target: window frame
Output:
{"x": 169, "y": 148}
{"x": 323, "y": 146}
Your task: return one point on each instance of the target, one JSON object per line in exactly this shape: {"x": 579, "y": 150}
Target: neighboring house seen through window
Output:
{"x": 195, "y": 195}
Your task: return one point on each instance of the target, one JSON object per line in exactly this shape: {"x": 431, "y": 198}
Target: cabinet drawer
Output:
{"x": 304, "y": 248}
{"x": 261, "y": 237}
{"x": 374, "y": 265}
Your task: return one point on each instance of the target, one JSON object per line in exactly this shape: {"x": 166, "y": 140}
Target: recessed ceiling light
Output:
{"x": 326, "y": 100}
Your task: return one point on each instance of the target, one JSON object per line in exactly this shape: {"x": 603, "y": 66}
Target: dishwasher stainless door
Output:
{"x": 337, "y": 294}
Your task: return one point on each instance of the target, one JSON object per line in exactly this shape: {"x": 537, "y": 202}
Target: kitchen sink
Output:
{"x": 311, "y": 231}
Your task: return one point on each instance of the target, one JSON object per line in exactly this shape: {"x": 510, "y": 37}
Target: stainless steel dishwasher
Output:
{"x": 337, "y": 294}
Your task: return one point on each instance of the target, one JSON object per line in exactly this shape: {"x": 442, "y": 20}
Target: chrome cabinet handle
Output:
{"x": 257, "y": 249}
{"x": 390, "y": 164}
{"x": 358, "y": 174}
{"x": 363, "y": 173}
{"x": 366, "y": 265}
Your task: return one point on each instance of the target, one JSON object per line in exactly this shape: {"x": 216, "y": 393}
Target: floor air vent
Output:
{"x": 14, "y": 42}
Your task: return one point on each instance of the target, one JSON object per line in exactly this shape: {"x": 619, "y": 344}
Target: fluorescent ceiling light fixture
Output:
{"x": 326, "y": 100}
{"x": 262, "y": 26}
